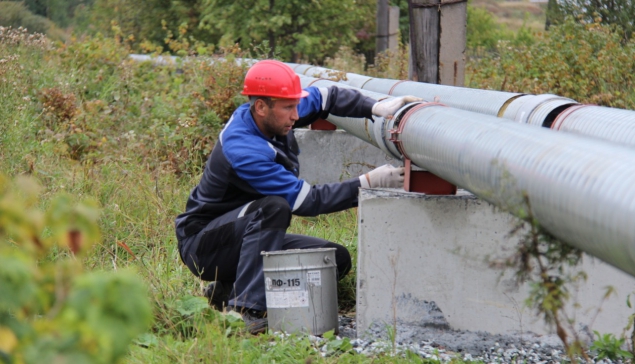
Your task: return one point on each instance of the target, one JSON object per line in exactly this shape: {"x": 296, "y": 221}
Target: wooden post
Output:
{"x": 393, "y": 28}
{"x": 452, "y": 29}
{"x": 424, "y": 40}
{"x": 437, "y": 41}
{"x": 381, "y": 39}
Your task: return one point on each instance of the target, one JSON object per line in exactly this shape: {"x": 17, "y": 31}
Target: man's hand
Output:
{"x": 390, "y": 106}
{"x": 385, "y": 176}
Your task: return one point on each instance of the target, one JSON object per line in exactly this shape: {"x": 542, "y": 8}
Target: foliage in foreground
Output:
{"x": 52, "y": 310}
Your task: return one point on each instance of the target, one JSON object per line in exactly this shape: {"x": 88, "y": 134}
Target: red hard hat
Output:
{"x": 273, "y": 79}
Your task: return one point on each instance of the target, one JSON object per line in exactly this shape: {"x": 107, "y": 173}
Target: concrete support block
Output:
{"x": 334, "y": 156}
{"x": 415, "y": 251}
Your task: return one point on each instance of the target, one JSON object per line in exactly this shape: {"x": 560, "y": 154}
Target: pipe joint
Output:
{"x": 399, "y": 121}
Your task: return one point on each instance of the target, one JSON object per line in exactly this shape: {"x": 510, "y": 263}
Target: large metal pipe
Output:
{"x": 581, "y": 189}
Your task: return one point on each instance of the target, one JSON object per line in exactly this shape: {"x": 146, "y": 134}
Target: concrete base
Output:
{"x": 416, "y": 250}
{"x": 334, "y": 156}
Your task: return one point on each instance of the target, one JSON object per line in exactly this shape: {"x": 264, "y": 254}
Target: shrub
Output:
{"x": 15, "y": 14}
{"x": 586, "y": 62}
{"x": 50, "y": 310}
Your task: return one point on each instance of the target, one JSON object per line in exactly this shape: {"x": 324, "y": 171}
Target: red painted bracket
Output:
{"x": 425, "y": 182}
{"x": 321, "y": 124}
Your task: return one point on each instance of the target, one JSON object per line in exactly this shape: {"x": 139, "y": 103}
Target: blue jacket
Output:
{"x": 245, "y": 165}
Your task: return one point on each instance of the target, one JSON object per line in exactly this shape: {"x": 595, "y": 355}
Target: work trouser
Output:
{"x": 228, "y": 249}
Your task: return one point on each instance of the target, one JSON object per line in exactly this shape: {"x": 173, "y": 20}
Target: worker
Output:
{"x": 250, "y": 187}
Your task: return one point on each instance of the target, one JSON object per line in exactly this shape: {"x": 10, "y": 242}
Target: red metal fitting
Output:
{"x": 393, "y": 87}
{"x": 425, "y": 182}
{"x": 394, "y": 133}
{"x": 321, "y": 124}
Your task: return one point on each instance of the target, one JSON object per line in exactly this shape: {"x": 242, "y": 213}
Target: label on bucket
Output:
{"x": 314, "y": 277}
{"x": 284, "y": 284}
{"x": 286, "y": 299}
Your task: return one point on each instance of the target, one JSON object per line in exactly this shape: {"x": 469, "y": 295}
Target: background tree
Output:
{"x": 15, "y": 14}
{"x": 612, "y": 12}
{"x": 61, "y": 12}
{"x": 291, "y": 29}
{"x": 149, "y": 20}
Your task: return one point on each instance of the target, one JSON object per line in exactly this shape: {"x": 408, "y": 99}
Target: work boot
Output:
{"x": 217, "y": 295}
{"x": 255, "y": 321}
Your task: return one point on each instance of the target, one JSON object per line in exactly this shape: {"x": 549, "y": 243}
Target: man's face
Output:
{"x": 279, "y": 118}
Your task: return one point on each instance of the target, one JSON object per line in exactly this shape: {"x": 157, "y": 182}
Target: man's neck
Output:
{"x": 259, "y": 124}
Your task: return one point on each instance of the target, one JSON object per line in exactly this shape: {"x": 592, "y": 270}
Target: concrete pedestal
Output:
{"x": 334, "y": 156}
{"x": 415, "y": 251}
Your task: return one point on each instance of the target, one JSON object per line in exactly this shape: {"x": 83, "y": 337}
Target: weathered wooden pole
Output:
{"x": 424, "y": 40}
{"x": 437, "y": 41}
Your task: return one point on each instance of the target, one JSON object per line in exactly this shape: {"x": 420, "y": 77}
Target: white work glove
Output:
{"x": 385, "y": 176}
{"x": 389, "y": 107}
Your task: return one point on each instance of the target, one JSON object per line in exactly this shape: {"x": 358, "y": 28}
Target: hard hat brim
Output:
{"x": 303, "y": 94}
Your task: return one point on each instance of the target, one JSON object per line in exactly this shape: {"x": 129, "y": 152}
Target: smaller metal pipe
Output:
{"x": 543, "y": 113}
{"x": 615, "y": 125}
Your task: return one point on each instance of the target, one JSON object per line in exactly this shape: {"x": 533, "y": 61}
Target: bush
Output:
{"x": 482, "y": 29}
{"x": 49, "y": 309}
{"x": 14, "y": 14}
{"x": 586, "y": 62}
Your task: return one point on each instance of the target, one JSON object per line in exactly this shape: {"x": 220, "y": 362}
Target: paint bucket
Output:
{"x": 301, "y": 290}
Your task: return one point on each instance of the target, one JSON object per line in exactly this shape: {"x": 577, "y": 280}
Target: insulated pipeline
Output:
{"x": 483, "y": 101}
{"x": 580, "y": 189}
{"x": 559, "y": 113}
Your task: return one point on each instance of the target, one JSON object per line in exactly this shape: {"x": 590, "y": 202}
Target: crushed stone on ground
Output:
{"x": 444, "y": 344}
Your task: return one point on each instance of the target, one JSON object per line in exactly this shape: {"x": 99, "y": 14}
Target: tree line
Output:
{"x": 292, "y": 30}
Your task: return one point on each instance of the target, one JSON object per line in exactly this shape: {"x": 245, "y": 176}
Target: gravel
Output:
{"x": 439, "y": 342}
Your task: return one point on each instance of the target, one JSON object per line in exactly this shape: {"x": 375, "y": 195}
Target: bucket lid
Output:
{"x": 297, "y": 251}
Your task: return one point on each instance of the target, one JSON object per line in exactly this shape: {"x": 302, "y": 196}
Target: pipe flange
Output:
{"x": 379, "y": 128}
{"x": 399, "y": 120}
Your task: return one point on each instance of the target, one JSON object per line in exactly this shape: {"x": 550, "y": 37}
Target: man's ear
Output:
{"x": 260, "y": 107}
